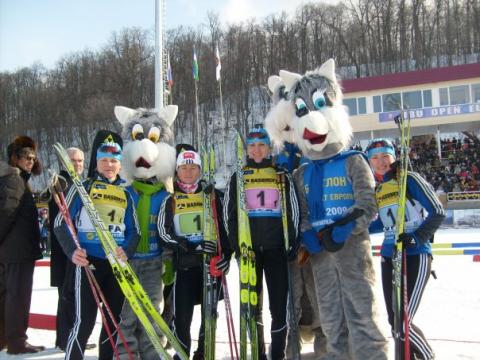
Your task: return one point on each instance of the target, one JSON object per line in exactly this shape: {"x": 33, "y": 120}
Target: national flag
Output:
{"x": 217, "y": 63}
{"x": 195, "y": 65}
{"x": 169, "y": 73}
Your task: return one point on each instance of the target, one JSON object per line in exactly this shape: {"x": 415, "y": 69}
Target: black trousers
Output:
{"x": 86, "y": 310}
{"x": 16, "y": 281}
{"x": 418, "y": 272}
{"x": 188, "y": 292}
{"x": 273, "y": 263}
{"x": 65, "y": 307}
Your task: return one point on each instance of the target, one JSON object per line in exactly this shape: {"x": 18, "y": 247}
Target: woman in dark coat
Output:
{"x": 19, "y": 244}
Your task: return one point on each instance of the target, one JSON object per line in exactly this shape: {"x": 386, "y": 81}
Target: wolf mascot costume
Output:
{"x": 148, "y": 164}
{"x": 278, "y": 123}
{"x": 336, "y": 193}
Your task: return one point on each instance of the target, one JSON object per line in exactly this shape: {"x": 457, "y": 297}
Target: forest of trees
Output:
{"x": 365, "y": 37}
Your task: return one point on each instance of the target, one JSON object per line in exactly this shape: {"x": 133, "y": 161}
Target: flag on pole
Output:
{"x": 217, "y": 63}
{"x": 169, "y": 72}
{"x": 195, "y": 66}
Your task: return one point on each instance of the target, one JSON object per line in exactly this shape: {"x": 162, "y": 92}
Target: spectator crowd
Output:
{"x": 458, "y": 170}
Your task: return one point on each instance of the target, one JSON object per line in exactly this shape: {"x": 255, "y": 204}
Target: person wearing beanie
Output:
{"x": 180, "y": 226}
{"x": 382, "y": 149}
{"x": 102, "y": 136}
{"x": 19, "y": 244}
{"x": 263, "y": 184}
{"x": 423, "y": 213}
{"x": 116, "y": 208}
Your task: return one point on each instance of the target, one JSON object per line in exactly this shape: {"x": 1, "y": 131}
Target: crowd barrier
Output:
{"x": 463, "y": 196}
{"x": 460, "y": 248}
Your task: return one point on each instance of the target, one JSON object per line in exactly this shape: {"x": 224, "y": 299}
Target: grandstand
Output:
{"x": 444, "y": 107}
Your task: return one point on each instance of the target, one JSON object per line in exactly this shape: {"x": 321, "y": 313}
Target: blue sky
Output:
{"x": 45, "y": 30}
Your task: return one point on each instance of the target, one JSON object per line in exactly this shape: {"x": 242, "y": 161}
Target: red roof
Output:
{"x": 412, "y": 78}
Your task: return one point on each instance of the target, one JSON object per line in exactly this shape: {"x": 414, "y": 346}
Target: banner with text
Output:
{"x": 448, "y": 110}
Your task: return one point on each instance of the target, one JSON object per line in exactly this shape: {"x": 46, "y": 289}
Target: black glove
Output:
{"x": 326, "y": 240}
{"x": 340, "y": 230}
{"x": 408, "y": 240}
{"x": 223, "y": 264}
{"x": 61, "y": 184}
{"x": 204, "y": 247}
{"x": 292, "y": 251}
{"x": 57, "y": 183}
{"x": 182, "y": 244}
{"x": 208, "y": 188}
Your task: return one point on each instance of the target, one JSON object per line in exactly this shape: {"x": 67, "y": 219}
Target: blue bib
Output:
{"x": 329, "y": 192}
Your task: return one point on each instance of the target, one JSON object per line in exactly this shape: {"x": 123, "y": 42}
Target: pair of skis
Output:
{"x": 212, "y": 278}
{"x": 293, "y": 321}
{"x": 399, "y": 260}
{"x": 248, "y": 275}
{"x": 127, "y": 280}
{"x": 210, "y": 282}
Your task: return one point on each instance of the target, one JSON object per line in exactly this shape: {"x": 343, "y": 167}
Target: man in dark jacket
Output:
{"x": 61, "y": 269}
{"x": 19, "y": 244}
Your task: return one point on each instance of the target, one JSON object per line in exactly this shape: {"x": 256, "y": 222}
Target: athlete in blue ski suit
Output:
{"x": 116, "y": 208}
{"x": 424, "y": 213}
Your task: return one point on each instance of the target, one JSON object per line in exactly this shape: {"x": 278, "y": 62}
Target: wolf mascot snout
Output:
{"x": 336, "y": 194}
{"x": 148, "y": 164}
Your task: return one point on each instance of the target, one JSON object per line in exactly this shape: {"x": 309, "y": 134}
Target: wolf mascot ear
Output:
{"x": 327, "y": 70}
{"x": 289, "y": 78}
{"x": 277, "y": 88}
{"x": 273, "y": 82}
{"x": 170, "y": 113}
{"x": 123, "y": 114}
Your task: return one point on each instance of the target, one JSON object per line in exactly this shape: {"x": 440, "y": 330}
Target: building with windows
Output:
{"x": 440, "y": 100}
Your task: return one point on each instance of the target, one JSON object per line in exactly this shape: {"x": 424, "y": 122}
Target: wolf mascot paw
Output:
{"x": 333, "y": 236}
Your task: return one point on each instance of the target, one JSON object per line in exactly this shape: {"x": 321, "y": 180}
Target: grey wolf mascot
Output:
{"x": 336, "y": 195}
{"x": 148, "y": 164}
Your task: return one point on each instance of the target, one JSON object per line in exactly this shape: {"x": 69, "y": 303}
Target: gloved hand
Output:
{"x": 61, "y": 183}
{"x": 292, "y": 251}
{"x": 408, "y": 240}
{"x": 208, "y": 188}
{"x": 325, "y": 237}
{"x": 57, "y": 183}
{"x": 333, "y": 236}
{"x": 182, "y": 244}
{"x": 220, "y": 264}
{"x": 204, "y": 247}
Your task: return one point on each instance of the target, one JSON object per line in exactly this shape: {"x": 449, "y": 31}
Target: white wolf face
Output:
{"x": 148, "y": 152}
{"x": 278, "y": 121}
{"x": 320, "y": 121}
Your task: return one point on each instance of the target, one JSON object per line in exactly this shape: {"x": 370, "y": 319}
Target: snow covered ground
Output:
{"x": 449, "y": 314}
